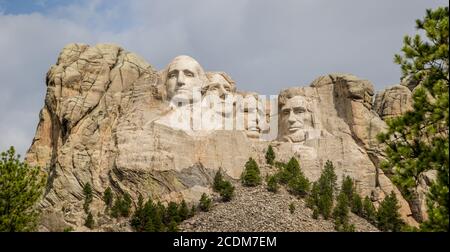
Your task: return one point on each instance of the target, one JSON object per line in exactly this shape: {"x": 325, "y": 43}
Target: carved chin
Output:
{"x": 298, "y": 137}
{"x": 182, "y": 97}
{"x": 252, "y": 134}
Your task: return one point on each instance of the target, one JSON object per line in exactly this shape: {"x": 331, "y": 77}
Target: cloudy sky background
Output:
{"x": 265, "y": 45}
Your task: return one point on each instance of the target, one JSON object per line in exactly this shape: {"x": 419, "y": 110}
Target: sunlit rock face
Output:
{"x": 112, "y": 120}
{"x": 393, "y": 101}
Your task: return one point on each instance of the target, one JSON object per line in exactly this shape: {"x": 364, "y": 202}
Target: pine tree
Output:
{"x": 155, "y": 217}
{"x": 138, "y": 218}
{"x": 87, "y": 191}
{"x": 293, "y": 167}
{"x": 299, "y": 185}
{"x": 21, "y": 187}
{"x": 89, "y": 221}
{"x": 288, "y": 171}
{"x": 227, "y": 191}
{"x": 357, "y": 205}
{"x": 115, "y": 210}
{"x": 272, "y": 184}
{"x": 347, "y": 187}
{"x": 328, "y": 178}
{"x": 326, "y": 188}
{"x": 108, "y": 197}
{"x": 218, "y": 181}
{"x": 313, "y": 198}
{"x": 251, "y": 175}
{"x": 325, "y": 205}
{"x": 172, "y": 213}
{"x": 122, "y": 206}
{"x": 158, "y": 216}
{"x": 149, "y": 226}
{"x": 270, "y": 155}
{"x": 193, "y": 211}
{"x": 417, "y": 141}
{"x": 369, "y": 211}
{"x": 388, "y": 217}
{"x": 183, "y": 211}
{"x": 173, "y": 226}
{"x": 126, "y": 205}
{"x": 341, "y": 214}
{"x": 205, "y": 203}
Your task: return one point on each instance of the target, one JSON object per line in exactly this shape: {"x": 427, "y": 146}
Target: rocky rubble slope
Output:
{"x": 255, "y": 209}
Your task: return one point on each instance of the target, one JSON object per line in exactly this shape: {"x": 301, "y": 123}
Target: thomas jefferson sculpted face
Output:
{"x": 184, "y": 74}
{"x": 220, "y": 87}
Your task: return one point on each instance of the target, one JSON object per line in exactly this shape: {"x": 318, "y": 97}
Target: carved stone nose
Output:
{"x": 180, "y": 83}
{"x": 291, "y": 118}
{"x": 180, "y": 80}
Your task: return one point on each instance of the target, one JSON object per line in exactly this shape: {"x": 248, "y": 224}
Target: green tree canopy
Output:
{"x": 388, "y": 216}
{"x": 369, "y": 211}
{"x": 270, "y": 155}
{"x": 205, "y": 203}
{"x": 88, "y": 196}
{"x": 251, "y": 175}
{"x": 272, "y": 183}
{"x": 417, "y": 141}
{"x": 108, "y": 197}
{"x": 341, "y": 214}
{"x": 21, "y": 186}
{"x": 227, "y": 192}
{"x": 218, "y": 181}
{"x": 326, "y": 189}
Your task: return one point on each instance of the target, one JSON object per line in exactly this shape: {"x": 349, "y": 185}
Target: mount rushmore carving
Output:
{"x": 112, "y": 120}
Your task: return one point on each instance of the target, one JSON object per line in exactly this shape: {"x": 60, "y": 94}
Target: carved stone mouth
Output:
{"x": 253, "y": 129}
{"x": 295, "y": 128}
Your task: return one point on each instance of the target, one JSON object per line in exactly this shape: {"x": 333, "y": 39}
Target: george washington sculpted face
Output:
{"x": 184, "y": 76}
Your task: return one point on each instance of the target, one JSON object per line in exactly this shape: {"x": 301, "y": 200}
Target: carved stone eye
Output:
{"x": 299, "y": 110}
{"x": 172, "y": 75}
{"x": 189, "y": 73}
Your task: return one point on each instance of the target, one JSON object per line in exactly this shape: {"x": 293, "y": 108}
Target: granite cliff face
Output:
{"x": 106, "y": 121}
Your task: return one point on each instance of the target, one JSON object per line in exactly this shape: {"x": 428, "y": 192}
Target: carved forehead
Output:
{"x": 301, "y": 95}
{"x": 217, "y": 78}
{"x": 221, "y": 78}
{"x": 296, "y": 102}
{"x": 185, "y": 62}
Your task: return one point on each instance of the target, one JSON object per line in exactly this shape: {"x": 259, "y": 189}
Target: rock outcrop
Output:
{"x": 108, "y": 120}
{"x": 393, "y": 101}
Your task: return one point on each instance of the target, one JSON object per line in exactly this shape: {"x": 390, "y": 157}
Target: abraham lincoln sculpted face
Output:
{"x": 296, "y": 119}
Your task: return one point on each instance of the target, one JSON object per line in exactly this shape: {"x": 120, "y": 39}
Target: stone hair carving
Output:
{"x": 221, "y": 78}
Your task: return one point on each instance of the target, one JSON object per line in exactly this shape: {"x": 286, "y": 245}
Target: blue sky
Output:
{"x": 15, "y": 7}
{"x": 265, "y": 45}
